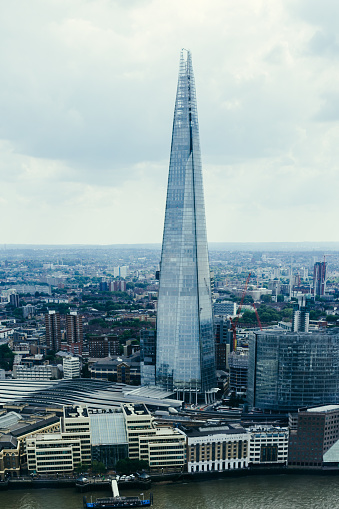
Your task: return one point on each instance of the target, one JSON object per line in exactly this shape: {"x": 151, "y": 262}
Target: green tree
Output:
{"x": 6, "y": 358}
{"x": 315, "y": 314}
{"x": 248, "y": 317}
{"x": 85, "y": 373}
{"x": 98, "y": 467}
{"x": 80, "y": 468}
{"x": 128, "y": 466}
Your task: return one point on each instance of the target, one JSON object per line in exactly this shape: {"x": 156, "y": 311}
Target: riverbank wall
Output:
{"x": 99, "y": 484}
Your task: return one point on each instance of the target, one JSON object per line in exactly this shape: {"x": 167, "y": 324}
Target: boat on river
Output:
{"x": 118, "y": 501}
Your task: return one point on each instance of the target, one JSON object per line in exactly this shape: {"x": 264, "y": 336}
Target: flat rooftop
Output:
{"x": 324, "y": 408}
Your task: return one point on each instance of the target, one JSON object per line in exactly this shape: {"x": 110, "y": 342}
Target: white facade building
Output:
{"x": 43, "y": 372}
{"x": 53, "y": 452}
{"x": 217, "y": 448}
{"x": 268, "y": 445}
{"x": 76, "y": 424}
{"x": 71, "y": 367}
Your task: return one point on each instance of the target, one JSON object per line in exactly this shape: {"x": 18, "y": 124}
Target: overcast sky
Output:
{"x": 87, "y": 95}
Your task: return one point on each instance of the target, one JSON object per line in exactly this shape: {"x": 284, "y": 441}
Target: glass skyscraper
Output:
{"x": 289, "y": 370}
{"x": 185, "y": 360}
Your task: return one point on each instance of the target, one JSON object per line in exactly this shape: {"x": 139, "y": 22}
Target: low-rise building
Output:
{"x": 118, "y": 369}
{"x": 314, "y": 437}
{"x": 53, "y": 452}
{"x": 217, "y": 448}
{"x": 268, "y": 446}
{"x": 42, "y": 372}
{"x": 164, "y": 449}
{"x": 138, "y": 421}
{"x": 9, "y": 456}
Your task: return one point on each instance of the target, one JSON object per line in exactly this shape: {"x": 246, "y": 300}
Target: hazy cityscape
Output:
{"x": 202, "y": 370}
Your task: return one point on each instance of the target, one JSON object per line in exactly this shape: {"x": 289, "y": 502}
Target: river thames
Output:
{"x": 254, "y": 492}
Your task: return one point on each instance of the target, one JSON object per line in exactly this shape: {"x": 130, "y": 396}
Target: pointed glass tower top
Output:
{"x": 185, "y": 339}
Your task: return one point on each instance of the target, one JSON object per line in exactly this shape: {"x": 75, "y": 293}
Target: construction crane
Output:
{"x": 257, "y": 315}
{"x": 235, "y": 321}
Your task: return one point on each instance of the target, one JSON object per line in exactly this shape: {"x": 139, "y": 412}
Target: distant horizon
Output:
{"x": 213, "y": 246}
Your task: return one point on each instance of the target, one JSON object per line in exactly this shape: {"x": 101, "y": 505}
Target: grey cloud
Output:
{"x": 322, "y": 14}
{"x": 324, "y": 44}
{"x": 329, "y": 111}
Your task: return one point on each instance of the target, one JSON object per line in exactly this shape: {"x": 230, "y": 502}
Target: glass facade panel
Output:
{"x": 185, "y": 339}
{"x": 292, "y": 370}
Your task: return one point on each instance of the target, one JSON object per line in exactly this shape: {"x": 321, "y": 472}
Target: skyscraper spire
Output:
{"x": 185, "y": 339}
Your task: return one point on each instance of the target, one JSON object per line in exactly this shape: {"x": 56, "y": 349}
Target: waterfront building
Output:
{"x": 217, "y": 448}
{"x": 109, "y": 437}
{"x": 9, "y": 457}
{"x": 53, "y": 453}
{"x": 53, "y": 331}
{"x": 163, "y": 447}
{"x": 268, "y": 446}
{"x": 291, "y": 370}
{"x": 185, "y": 358}
{"x": 147, "y": 356}
{"x": 314, "y": 437}
{"x": 71, "y": 367}
{"x": 138, "y": 421}
{"x": 76, "y": 424}
{"x": 15, "y": 428}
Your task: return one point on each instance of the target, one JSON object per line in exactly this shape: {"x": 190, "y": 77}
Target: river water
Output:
{"x": 254, "y": 492}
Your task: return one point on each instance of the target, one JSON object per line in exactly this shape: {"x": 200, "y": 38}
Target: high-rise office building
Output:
{"x": 301, "y": 316}
{"x": 185, "y": 339}
{"x": 14, "y": 300}
{"x": 290, "y": 370}
{"x": 319, "y": 278}
{"x": 53, "y": 331}
{"x": 74, "y": 332}
{"x": 147, "y": 356}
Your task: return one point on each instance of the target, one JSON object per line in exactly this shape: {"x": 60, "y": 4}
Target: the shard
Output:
{"x": 185, "y": 361}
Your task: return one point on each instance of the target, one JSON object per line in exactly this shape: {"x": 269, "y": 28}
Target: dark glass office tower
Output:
{"x": 185, "y": 342}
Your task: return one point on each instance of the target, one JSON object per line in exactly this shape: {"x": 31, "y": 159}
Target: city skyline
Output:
{"x": 86, "y": 107}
